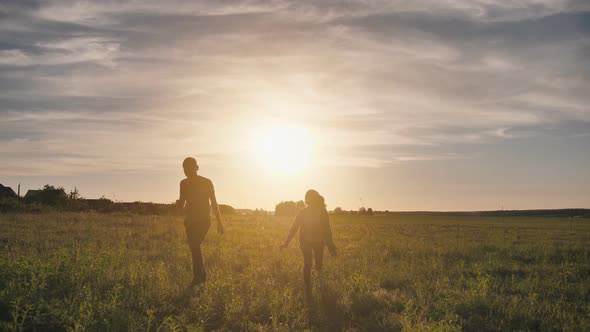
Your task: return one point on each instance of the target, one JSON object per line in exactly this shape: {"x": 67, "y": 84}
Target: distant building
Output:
{"x": 32, "y": 194}
{"x": 7, "y": 192}
{"x": 99, "y": 204}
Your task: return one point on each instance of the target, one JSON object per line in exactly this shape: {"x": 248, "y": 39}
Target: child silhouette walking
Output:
{"x": 197, "y": 197}
{"x": 314, "y": 234}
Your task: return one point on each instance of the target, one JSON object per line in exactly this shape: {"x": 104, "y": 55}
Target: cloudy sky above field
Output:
{"x": 432, "y": 105}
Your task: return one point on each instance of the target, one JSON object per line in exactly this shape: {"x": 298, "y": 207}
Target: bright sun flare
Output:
{"x": 284, "y": 149}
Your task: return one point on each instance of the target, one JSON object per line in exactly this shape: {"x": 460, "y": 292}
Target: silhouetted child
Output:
{"x": 196, "y": 192}
{"x": 314, "y": 233}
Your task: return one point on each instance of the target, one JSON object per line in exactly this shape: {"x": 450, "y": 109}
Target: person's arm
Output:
{"x": 293, "y": 231}
{"x": 182, "y": 199}
{"x": 216, "y": 212}
{"x": 328, "y": 234}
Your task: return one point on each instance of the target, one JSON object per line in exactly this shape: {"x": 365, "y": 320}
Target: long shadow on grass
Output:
{"x": 324, "y": 311}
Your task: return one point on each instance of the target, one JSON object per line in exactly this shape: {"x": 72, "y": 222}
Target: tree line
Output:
{"x": 53, "y": 198}
{"x": 291, "y": 208}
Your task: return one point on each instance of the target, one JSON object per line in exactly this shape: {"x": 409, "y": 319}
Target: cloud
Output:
{"x": 86, "y": 81}
{"x": 68, "y": 51}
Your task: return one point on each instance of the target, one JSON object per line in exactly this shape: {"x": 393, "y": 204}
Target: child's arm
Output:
{"x": 328, "y": 235}
{"x": 181, "y": 200}
{"x": 216, "y": 212}
{"x": 293, "y": 231}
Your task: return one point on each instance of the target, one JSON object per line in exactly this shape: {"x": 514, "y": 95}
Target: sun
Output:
{"x": 284, "y": 149}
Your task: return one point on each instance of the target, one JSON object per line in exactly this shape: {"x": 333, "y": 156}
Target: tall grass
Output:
{"x": 96, "y": 272}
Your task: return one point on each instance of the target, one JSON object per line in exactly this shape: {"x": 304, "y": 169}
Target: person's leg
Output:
{"x": 203, "y": 229}
{"x": 307, "y": 262}
{"x": 195, "y": 248}
{"x": 196, "y": 232}
{"x": 318, "y": 251}
{"x": 199, "y": 274}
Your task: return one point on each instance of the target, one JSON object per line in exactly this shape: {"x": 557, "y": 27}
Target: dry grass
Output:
{"x": 84, "y": 271}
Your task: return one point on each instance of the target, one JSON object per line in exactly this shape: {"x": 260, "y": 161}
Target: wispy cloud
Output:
{"x": 82, "y": 83}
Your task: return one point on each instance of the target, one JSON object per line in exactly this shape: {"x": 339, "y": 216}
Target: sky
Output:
{"x": 400, "y": 105}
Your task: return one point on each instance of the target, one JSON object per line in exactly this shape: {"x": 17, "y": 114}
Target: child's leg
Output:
{"x": 199, "y": 274}
{"x": 196, "y": 232}
{"x": 318, "y": 251}
{"x": 307, "y": 261}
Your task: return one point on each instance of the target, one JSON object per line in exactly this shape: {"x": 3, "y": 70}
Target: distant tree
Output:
{"x": 259, "y": 212}
{"x": 338, "y": 210}
{"x": 74, "y": 194}
{"x": 50, "y": 195}
{"x": 362, "y": 211}
{"x": 75, "y": 201}
{"x": 369, "y": 211}
{"x": 289, "y": 208}
{"x": 226, "y": 209}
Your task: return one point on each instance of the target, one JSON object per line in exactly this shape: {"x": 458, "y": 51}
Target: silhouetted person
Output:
{"x": 196, "y": 192}
{"x": 314, "y": 233}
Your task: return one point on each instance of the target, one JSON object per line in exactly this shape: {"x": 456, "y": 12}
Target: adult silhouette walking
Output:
{"x": 314, "y": 234}
{"x": 197, "y": 197}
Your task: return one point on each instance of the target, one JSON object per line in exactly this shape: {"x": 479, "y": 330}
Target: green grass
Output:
{"x": 84, "y": 271}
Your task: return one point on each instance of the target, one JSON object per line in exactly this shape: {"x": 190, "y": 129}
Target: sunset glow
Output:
{"x": 316, "y": 165}
{"x": 283, "y": 149}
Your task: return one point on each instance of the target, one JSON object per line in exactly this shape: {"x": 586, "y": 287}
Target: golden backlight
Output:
{"x": 284, "y": 149}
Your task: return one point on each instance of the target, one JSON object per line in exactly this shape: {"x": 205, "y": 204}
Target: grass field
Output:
{"x": 97, "y": 272}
